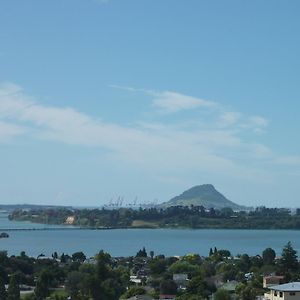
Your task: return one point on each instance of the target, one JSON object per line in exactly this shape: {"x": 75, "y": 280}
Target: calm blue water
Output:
{"x": 125, "y": 242}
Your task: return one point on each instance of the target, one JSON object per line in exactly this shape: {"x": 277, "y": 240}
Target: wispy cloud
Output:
{"x": 229, "y": 118}
{"x": 170, "y": 102}
{"x": 291, "y": 160}
{"x": 149, "y": 145}
{"x": 8, "y": 131}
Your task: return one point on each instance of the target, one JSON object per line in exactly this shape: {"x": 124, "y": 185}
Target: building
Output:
{"x": 70, "y": 220}
{"x": 269, "y": 281}
{"x": 181, "y": 280}
{"x": 287, "y": 291}
{"x": 135, "y": 279}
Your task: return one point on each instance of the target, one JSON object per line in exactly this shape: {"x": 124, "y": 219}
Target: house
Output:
{"x": 181, "y": 280}
{"x": 287, "y": 291}
{"x": 70, "y": 220}
{"x": 230, "y": 286}
{"x": 135, "y": 279}
{"x": 269, "y": 281}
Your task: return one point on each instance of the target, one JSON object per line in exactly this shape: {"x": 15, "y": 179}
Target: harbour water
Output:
{"x": 126, "y": 242}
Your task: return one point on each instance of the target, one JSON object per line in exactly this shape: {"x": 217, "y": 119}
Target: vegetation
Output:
{"x": 106, "y": 278}
{"x": 171, "y": 217}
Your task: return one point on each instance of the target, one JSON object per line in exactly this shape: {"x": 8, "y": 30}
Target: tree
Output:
{"x": 158, "y": 266}
{"x": 73, "y": 282}
{"x": 245, "y": 292}
{"x": 3, "y": 294}
{"x": 197, "y": 286}
{"x": 224, "y": 253}
{"x": 222, "y": 294}
{"x": 78, "y": 257}
{"x": 289, "y": 259}
{"x": 142, "y": 253}
{"x": 168, "y": 287}
{"x": 103, "y": 265}
{"x": 42, "y": 285}
{"x": 13, "y": 292}
{"x": 55, "y": 255}
{"x": 268, "y": 256}
{"x": 133, "y": 291}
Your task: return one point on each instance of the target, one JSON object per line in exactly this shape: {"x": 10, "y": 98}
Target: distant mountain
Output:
{"x": 205, "y": 195}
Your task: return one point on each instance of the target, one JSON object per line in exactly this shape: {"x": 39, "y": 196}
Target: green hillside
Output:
{"x": 205, "y": 195}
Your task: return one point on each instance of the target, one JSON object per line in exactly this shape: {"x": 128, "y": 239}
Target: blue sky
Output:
{"x": 101, "y": 99}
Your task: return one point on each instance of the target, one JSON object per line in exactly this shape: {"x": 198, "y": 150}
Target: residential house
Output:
{"x": 287, "y": 291}
{"x": 269, "y": 281}
{"x": 181, "y": 280}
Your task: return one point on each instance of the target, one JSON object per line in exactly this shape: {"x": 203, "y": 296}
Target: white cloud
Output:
{"x": 8, "y": 131}
{"x": 155, "y": 146}
{"x": 166, "y": 148}
{"x": 170, "y": 102}
{"x": 229, "y": 118}
{"x": 258, "y": 121}
{"x": 288, "y": 160}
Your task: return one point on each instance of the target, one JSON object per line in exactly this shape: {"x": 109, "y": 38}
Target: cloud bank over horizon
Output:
{"x": 213, "y": 141}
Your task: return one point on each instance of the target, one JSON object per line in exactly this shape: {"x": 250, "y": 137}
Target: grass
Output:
{"x": 144, "y": 224}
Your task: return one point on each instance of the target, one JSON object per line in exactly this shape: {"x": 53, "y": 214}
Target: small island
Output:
{"x": 4, "y": 235}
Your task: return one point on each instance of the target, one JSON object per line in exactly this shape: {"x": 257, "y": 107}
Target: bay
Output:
{"x": 126, "y": 242}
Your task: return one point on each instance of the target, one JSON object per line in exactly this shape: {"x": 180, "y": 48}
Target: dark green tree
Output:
{"x": 245, "y": 292}
{"x": 133, "y": 291}
{"x": 158, "y": 266}
{"x": 222, "y": 294}
{"x": 168, "y": 287}
{"x": 268, "y": 256}
{"x": 78, "y": 257}
{"x": 73, "y": 283}
{"x": 3, "y": 294}
{"x": 142, "y": 253}
{"x": 42, "y": 285}
{"x": 289, "y": 259}
{"x": 13, "y": 292}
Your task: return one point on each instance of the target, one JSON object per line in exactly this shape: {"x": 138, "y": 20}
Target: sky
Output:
{"x": 143, "y": 99}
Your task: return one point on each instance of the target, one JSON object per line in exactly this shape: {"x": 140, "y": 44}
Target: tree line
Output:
{"x": 176, "y": 216}
{"x": 106, "y": 278}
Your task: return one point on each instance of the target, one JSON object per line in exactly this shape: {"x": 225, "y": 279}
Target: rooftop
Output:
{"x": 287, "y": 287}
